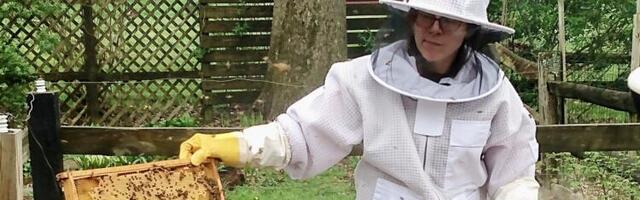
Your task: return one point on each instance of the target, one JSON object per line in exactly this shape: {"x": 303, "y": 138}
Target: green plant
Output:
{"x": 183, "y": 121}
{"x": 235, "y": 116}
{"x": 199, "y": 52}
{"x": 26, "y": 167}
{"x": 598, "y": 176}
{"x": 47, "y": 41}
{"x": 14, "y": 9}
{"x": 240, "y": 27}
{"x": 251, "y": 119}
{"x": 99, "y": 161}
{"x": 47, "y": 7}
{"x": 367, "y": 40}
{"x": 15, "y": 74}
{"x": 15, "y": 71}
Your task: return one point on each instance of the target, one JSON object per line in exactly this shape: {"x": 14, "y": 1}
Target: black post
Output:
{"x": 90, "y": 62}
{"x": 636, "y": 100}
{"x": 44, "y": 145}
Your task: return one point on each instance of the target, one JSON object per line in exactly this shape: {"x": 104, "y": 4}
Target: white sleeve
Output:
{"x": 512, "y": 151}
{"x": 322, "y": 127}
{"x": 264, "y": 146}
{"x": 521, "y": 189}
{"x": 634, "y": 81}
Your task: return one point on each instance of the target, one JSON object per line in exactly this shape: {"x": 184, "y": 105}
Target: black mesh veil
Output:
{"x": 397, "y": 27}
{"x": 395, "y": 40}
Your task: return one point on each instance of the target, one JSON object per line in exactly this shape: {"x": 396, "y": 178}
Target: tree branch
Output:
{"x": 523, "y": 66}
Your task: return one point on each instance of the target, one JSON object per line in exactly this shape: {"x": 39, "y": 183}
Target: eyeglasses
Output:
{"x": 446, "y": 24}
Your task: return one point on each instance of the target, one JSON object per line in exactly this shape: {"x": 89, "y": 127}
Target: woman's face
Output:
{"x": 438, "y": 38}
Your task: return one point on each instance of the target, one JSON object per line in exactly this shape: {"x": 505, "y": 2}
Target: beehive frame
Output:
{"x": 78, "y": 185}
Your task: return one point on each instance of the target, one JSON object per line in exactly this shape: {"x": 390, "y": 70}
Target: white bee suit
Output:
{"x": 465, "y": 138}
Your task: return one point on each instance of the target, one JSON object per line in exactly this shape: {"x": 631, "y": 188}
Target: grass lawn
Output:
{"x": 336, "y": 183}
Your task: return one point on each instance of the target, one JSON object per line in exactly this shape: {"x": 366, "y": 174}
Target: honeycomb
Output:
{"x": 156, "y": 184}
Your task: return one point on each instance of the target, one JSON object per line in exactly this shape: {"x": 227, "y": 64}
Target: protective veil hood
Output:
{"x": 395, "y": 69}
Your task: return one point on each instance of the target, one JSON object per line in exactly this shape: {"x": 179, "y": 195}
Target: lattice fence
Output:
{"x": 119, "y": 62}
{"x": 137, "y": 62}
{"x": 146, "y": 43}
{"x": 67, "y": 57}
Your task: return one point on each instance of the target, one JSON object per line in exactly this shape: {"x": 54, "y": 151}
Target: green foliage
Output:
{"x": 26, "y": 9}
{"x": 240, "y": 27}
{"x": 598, "y": 176}
{"x": 592, "y": 27}
{"x": 26, "y": 167}
{"x": 199, "y": 53}
{"x": 84, "y": 162}
{"x": 47, "y": 41}
{"x": 15, "y": 69}
{"x": 251, "y": 119}
{"x": 582, "y": 112}
{"x": 14, "y": 9}
{"x": 597, "y": 33}
{"x": 367, "y": 40}
{"x": 15, "y": 72}
{"x": 47, "y": 7}
{"x": 624, "y": 164}
{"x": 98, "y": 161}
{"x": 535, "y": 23}
{"x": 235, "y": 116}
{"x": 183, "y": 121}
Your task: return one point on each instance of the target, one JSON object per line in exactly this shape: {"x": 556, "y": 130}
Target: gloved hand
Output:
{"x": 225, "y": 147}
{"x": 258, "y": 146}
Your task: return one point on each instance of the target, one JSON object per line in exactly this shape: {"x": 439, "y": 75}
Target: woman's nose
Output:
{"x": 435, "y": 27}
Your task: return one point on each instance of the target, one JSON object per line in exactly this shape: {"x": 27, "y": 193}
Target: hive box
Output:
{"x": 171, "y": 179}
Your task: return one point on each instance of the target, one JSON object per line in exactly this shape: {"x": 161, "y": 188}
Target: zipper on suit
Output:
{"x": 424, "y": 156}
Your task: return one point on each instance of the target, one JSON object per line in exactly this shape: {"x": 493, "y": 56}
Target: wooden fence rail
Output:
{"x": 165, "y": 141}
{"x": 605, "y": 97}
{"x": 48, "y": 141}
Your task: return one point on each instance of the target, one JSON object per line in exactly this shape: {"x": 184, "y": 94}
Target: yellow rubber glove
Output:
{"x": 225, "y": 147}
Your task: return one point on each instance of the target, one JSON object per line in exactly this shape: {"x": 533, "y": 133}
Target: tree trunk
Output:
{"x": 306, "y": 38}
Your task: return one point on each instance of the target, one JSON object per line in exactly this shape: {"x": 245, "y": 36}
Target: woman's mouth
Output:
{"x": 430, "y": 43}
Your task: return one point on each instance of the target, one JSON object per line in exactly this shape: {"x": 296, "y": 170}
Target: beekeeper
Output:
{"x": 437, "y": 118}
